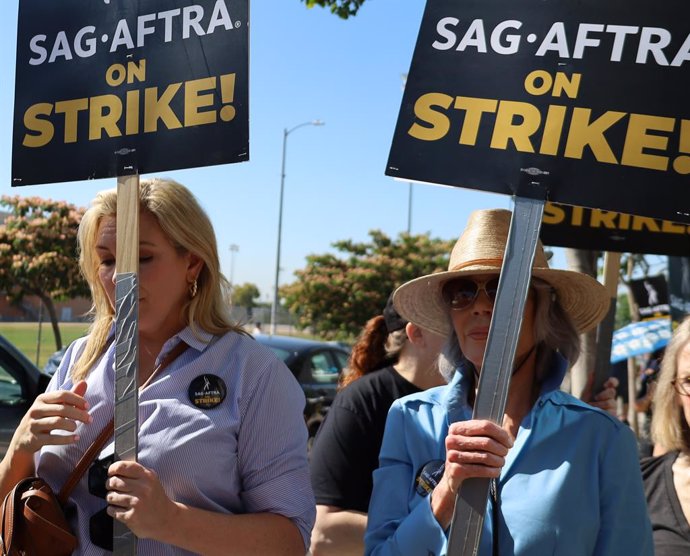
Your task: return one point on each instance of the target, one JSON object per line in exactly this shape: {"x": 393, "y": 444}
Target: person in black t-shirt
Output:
{"x": 667, "y": 477}
{"x": 392, "y": 358}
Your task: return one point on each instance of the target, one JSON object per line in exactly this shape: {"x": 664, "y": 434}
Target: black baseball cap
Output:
{"x": 393, "y": 320}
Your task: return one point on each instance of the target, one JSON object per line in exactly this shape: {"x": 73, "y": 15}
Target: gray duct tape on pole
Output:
{"x": 126, "y": 340}
{"x": 494, "y": 380}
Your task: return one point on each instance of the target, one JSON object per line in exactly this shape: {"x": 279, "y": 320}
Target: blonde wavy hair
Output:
{"x": 189, "y": 229}
{"x": 669, "y": 427}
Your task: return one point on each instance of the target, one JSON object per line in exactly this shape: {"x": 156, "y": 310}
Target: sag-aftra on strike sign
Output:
{"x": 590, "y": 96}
{"x": 164, "y": 82}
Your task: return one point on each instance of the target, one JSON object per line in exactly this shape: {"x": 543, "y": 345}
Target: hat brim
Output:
{"x": 582, "y": 297}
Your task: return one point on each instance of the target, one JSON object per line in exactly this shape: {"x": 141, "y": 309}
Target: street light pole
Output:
{"x": 274, "y": 305}
{"x": 234, "y": 248}
{"x": 409, "y": 210}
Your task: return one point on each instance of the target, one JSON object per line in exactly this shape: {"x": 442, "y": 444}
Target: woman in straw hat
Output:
{"x": 565, "y": 476}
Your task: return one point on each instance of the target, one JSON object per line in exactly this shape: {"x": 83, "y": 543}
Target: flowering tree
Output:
{"x": 335, "y": 296}
{"x": 38, "y": 253}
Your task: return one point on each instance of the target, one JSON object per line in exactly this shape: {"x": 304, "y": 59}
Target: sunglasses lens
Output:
{"x": 459, "y": 294}
{"x": 491, "y": 288}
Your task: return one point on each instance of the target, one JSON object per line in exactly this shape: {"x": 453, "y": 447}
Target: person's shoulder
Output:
{"x": 568, "y": 402}
{"x": 384, "y": 378}
{"x": 654, "y": 464}
{"x": 62, "y": 374}
{"x": 73, "y": 352}
{"x": 435, "y": 396}
{"x": 374, "y": 377}
{"x": 244, "y": 352}
{"x": 365, "y": 389}
{"x": 77, "y": 346}
{"x": 241, "y": 343}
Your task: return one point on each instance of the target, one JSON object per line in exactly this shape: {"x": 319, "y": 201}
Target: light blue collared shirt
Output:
{"x": 571, "y": 484}
{"x": 246, "y": 455}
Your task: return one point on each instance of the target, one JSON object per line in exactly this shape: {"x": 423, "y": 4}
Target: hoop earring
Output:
{"x": 193, "y": 288}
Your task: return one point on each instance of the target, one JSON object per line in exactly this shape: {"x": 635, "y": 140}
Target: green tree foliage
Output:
{"x": 341, "y": 8}
{"x": 245, "y": 295}
{"x": 38, "y": 253}
{"x": 336, "y": 295}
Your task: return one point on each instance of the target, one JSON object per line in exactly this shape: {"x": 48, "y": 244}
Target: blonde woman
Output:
{"x": 667, "y": 477}
{"x": 216, "y": 474}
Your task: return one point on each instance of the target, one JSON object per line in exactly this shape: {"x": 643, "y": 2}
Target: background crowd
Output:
{"x": 400, "y": 439}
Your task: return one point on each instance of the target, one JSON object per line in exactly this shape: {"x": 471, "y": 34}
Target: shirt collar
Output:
{"x": 456, "y": 394}
{"x": 198, "y": 339}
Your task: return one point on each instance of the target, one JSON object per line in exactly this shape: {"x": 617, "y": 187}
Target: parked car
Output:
{"x": 53, "y": 361}
{"x": 20, "y": 382}
{"x": 316, "y": 365}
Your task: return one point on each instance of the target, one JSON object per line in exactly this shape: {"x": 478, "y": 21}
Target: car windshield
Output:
{"x": 10, "y": 390}
{"x": 282, "y": 354}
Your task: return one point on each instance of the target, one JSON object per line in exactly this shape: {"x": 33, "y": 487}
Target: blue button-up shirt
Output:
{"x": 246, "y": 455}
{"x": 571, "y": 484}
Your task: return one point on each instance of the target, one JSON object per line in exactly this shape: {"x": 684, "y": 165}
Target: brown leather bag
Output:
{"x": 33, "y": 522}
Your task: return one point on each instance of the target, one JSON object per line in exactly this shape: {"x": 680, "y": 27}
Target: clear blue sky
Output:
{"x": 304, "y": 65}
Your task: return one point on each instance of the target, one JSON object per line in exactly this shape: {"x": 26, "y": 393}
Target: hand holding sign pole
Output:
{"x": 494, "y": 379}
{"x": 166, "y": 81}
{"x": 501, "y": 86}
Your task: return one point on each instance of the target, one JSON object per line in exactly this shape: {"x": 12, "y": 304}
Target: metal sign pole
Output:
{"x": 126, "y": 340}
{"x": 602, "y": 364}
{"x": 494, "y": 380}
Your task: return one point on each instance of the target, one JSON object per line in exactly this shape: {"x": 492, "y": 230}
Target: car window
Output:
{"x": 341, "y": 358}
{"x": 10, "y": 389}
{"x": 281, "y": 354}
{"x": 323, "y": 368}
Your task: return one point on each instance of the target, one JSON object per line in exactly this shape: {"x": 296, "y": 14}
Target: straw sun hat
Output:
{"x": 479, "y": 250}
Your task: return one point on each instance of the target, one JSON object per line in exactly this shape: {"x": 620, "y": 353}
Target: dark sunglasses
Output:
{"x": 100, "y": 524}
{"x": 461, "y": 293}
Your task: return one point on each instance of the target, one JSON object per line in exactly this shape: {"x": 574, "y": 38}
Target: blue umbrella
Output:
{"x": 638, "y": 338}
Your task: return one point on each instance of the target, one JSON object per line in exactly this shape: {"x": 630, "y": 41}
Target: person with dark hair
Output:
{"x": 667, "y": 477}
{"x": 392, "y": 358}
{"x": 222, "y": 447}
{"x": 564, "y": 476}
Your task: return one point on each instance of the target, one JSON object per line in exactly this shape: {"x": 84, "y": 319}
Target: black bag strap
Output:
{"x": 106, "y": 433}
